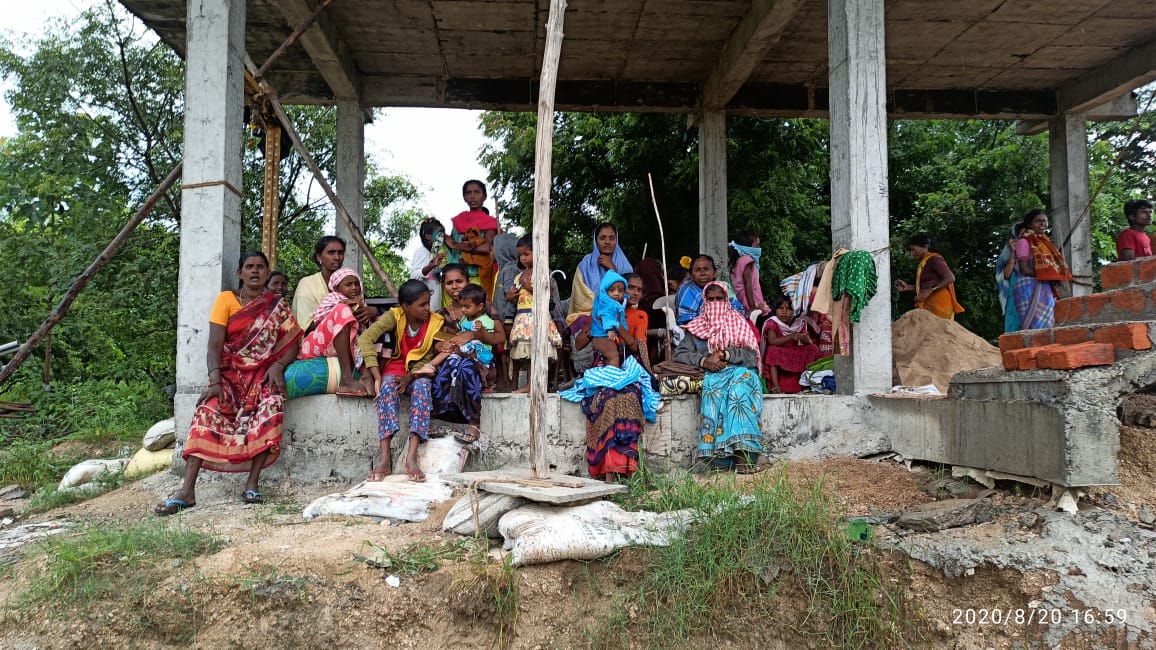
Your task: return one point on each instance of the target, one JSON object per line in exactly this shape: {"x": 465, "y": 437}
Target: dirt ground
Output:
{"x": 282, "y": 582}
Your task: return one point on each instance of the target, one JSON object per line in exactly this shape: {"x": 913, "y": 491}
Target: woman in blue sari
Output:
{"x": 1005, "y": 279}
{"x": 724, "y": 344}
{"x": 703, "y": 270}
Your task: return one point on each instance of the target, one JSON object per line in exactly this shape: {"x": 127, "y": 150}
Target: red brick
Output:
{"x": 1095, "y": 302}
{"x": 1117, "y": 275}
{"x": 1070, "y": 357}
{"x": 1073, "y": 335}
{"x": 1146, "y": 269}
{"x": 1069, "y": 309}
{"x": 1126, "y": 336}
{"x": 1039, "y": 338}
{"x": 1130, "y": 300}
{"x": 1024, "y": 359}
{"x": 1012, "y": 341}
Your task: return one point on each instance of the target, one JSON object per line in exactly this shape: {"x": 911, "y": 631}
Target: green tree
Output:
{"x": 98, "y": 105}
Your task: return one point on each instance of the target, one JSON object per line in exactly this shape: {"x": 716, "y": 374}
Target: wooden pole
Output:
{"x": 662, "y": 242}
{"x": 543, "y": 180}
{"x": 270, "y": 95}
{"x": 83, "y": 279}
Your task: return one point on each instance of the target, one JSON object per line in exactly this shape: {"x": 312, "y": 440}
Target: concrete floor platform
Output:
{"x": 555, "y": 489}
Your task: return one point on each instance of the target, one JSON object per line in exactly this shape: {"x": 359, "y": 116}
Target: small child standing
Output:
{"x": 608, "y": 317}
{"x": 429, "y": 258}
{"x": 522, "y": 293}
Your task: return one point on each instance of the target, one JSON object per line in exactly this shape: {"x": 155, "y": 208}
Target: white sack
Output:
{"x": 161, "y": 435}
{"x": 537, "y": 534}
{"x": 88, "y": 470}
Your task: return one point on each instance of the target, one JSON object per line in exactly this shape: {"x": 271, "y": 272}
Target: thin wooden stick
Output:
{"x": 543, "y": 179}
{"x": 662, "y": 243}
{"x": 270, "y": 95}
{"x": 83, "y": 279}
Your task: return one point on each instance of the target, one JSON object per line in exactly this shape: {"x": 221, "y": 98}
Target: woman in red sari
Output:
{"x": 237, "y": 424}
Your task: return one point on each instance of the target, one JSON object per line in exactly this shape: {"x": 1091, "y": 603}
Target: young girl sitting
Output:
{"x": 608, "y": 317}
{"x": 789, "y": 347}
{"x": 335, "y": 328}
{"x": 414, "y": 329}
{"x": 522, "y": 334}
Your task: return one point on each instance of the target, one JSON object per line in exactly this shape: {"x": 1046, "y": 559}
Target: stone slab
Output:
{"x": 567, "y": 489}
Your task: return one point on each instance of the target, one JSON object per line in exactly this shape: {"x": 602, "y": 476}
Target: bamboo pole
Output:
{"x": 270, "y": 95}
{"x": 83, "y": 279}
{"x": 543, "y": 180}
{"x": 662, "y": 242}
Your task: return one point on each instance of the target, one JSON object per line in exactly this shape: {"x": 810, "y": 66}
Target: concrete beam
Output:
{"x": 859, "y": 212}
{"x": 1123, "y": 107}
{"x": 767, "y": 100}
{"x": 754, "y": 36}
{"x": 1071, "y": 221}
{"x": 325, "y": 47}
{"x": 349, "y": 174}
{"x": 1110, "y": 80}
{"x": 712, "y": 186}
{"x": 210, "y": 197}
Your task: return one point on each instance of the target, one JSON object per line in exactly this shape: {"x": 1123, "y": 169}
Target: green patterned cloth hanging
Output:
{"x": 855, "y": 276}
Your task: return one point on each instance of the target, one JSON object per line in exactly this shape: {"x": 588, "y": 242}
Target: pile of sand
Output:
{"x": 928, "y": 350}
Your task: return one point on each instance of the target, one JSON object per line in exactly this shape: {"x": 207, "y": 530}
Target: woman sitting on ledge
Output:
{"x": 237, "y": 424}
{"x": 721, "y": 342}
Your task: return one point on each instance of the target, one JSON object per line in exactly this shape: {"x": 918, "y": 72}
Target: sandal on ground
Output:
{"x": 172, "y": 507}
{"x": 377, "y": 476}
{"x": 252, "y": 497}
{"x": 349, "y": 393}
{"x": 468, "y": 435}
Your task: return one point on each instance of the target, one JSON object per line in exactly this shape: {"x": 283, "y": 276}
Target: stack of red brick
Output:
{"x": 1093, "y": 330}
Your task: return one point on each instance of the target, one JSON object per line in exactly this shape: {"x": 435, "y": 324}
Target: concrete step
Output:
{"x": 1118, "y": 340}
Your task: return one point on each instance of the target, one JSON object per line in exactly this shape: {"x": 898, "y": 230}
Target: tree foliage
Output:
{"x": 962, "y": 182}
{"x": 98, "y": 105}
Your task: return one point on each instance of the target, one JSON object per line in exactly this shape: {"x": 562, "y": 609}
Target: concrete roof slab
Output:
{"x": 1069, "y": 12}
{"x": 439, "y": 52}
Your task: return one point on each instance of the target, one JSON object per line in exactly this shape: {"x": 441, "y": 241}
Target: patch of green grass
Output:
{"x": 417, "y": 558}
{"x": 106, "y": 561}
{"x": 726, "y": 572}
{"x": 30, "y": 464}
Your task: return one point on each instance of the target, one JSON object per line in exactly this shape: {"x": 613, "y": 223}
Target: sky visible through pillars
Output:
{"x": 437, "y": 149}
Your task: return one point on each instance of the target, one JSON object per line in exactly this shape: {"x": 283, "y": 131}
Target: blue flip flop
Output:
{"x": 253, "y": 497}
{"x": 172, "y": 507}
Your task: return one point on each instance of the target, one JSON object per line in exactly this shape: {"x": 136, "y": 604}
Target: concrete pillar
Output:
{"x": 211, "y": 195}
{"x": 350, "y": 175}
{"x": 859, "y": 212}
{"x": 712, "y": 186}
{"x": 1068, "y": 153}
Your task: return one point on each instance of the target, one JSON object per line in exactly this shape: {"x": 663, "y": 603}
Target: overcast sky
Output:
{"x": 436, "y": 148}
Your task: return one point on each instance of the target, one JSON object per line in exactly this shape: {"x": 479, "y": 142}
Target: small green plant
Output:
{"x": 417, "y": 558}
{"x": 727, "y": 571}
{"x": 31, "y": 464}
{"x": 273, "y": 584}
{"x": 488, "y": 590}
{"x": 108, "y": 560}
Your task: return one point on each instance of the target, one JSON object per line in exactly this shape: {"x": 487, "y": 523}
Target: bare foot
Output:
{"x": 352, "y": 389}
{"x": 366, "y": 382}
{"x": 522, "y": 390}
